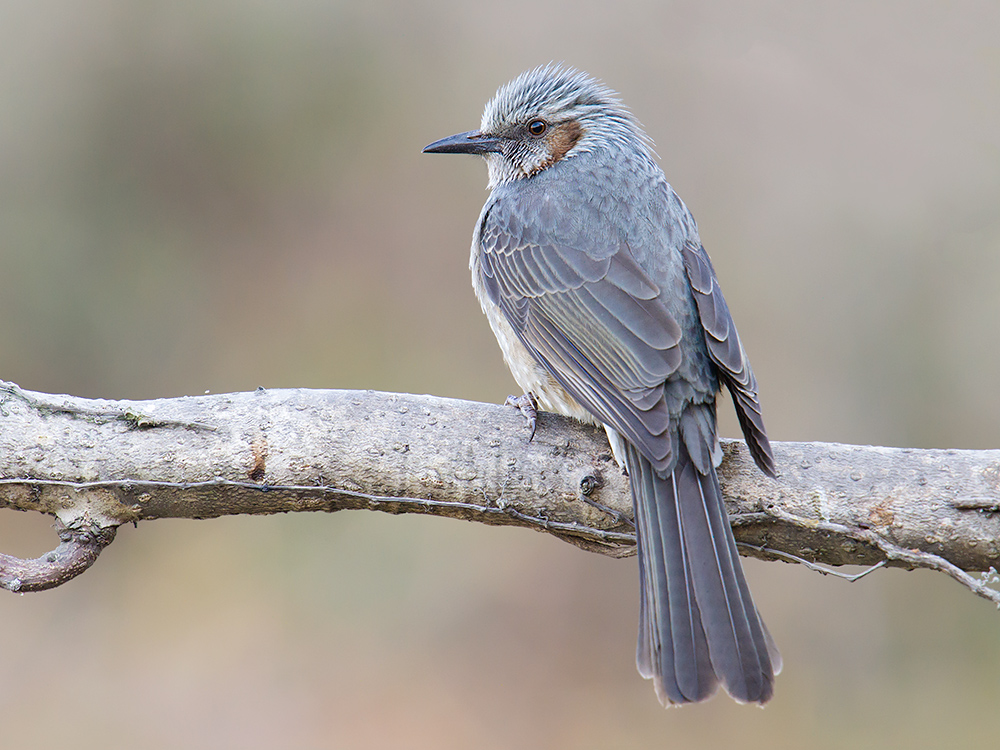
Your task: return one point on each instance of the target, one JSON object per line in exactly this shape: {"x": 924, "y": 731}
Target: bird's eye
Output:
{"x": 537, "y": 127}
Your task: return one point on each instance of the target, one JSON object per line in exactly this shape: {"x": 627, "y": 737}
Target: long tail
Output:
{"x": 698, "y": 627}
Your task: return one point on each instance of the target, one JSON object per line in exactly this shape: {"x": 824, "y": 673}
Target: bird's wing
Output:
{"x": 592, "y": 316}
{"x": 727, "y": 352}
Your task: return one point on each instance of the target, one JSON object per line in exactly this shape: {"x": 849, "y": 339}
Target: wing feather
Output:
{"x": 726, "y": 350}
{"x": 595, "y": 320}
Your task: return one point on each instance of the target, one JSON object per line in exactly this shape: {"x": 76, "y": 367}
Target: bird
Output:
{"x": 607, "y": 308}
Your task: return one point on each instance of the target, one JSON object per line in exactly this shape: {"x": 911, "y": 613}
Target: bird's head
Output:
{"x": 543, "y": 116}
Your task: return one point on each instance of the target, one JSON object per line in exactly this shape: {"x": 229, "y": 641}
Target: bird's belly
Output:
{"x": 531, "y": 375}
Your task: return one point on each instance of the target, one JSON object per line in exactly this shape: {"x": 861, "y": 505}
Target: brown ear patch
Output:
{"x": 562, "y": 138}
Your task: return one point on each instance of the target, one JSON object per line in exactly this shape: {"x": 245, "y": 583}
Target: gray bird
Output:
{"x": 607, "y": 309}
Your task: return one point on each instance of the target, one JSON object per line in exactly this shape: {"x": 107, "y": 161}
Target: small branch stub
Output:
{"x": 78, "y": 550}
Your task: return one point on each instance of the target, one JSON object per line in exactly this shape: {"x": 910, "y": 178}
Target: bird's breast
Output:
{"x": 530, "y": 375}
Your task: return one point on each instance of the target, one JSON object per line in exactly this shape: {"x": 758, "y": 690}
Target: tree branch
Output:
{"x": 96, "y": 464}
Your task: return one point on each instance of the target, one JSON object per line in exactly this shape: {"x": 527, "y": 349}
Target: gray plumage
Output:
{"x": 593, "y": 278}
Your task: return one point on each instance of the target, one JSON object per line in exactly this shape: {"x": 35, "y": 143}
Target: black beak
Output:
{"x": 472, "y": 142}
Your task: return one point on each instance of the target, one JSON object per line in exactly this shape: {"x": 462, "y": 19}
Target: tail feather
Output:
{"x": 698, "y": 626}
{"x": 675, "y": 656}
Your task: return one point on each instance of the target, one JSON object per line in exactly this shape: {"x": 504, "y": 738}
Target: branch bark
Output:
{"x": 96, "y": 464}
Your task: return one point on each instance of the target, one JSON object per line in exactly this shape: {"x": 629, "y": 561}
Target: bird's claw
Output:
{"x": 528, "y": 406}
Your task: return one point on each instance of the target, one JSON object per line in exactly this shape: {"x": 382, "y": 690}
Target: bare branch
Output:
{"x": 97, "y": 464}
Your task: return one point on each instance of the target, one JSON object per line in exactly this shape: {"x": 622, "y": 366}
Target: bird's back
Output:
{"x": 606, "y": 201}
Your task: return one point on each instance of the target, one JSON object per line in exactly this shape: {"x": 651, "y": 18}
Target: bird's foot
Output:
{"x": 528, "y": 406}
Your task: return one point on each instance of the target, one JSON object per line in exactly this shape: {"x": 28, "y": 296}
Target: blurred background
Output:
{"x": 215, "y": 196}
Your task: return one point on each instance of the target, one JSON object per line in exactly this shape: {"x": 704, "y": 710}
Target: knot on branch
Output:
{"x": 78, "y": 550}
